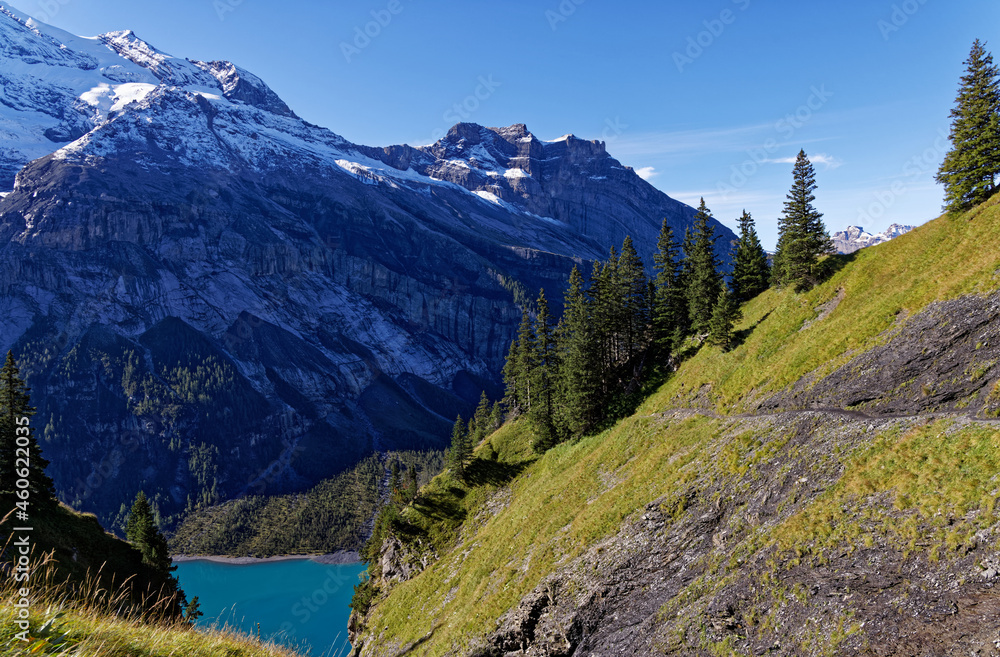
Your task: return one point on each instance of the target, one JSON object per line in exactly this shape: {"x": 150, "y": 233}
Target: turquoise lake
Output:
{"x": 299, "y": 603}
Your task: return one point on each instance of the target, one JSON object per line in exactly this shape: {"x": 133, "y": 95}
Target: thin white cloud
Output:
{"x": 828, "y": 161}
{"x": 647, "y": 173}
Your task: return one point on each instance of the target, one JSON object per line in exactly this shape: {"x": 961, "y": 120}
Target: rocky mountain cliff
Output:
{"x": 856, "y": 238}
{"x": 211, "y": 296}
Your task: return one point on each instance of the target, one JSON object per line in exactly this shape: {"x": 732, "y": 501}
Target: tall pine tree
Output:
{"x": 543, "y": 379}
{"x": 461, "y": 450}
{"x": 725, "y": 314}
{"x": 704, "y": 280}
{"x": 17, "y": 431}
{"x": 970, "y": 168}
{"x": 578, "y": 361}
{"x": 751, "y": 274}
{"x": 669, "y": 297}
{"x": 142, "y": 532}
{"x": 802, "y": 237}
{"x": 635, "y": 305}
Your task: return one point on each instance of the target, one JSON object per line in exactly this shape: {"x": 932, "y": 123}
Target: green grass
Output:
{"x": 88, "y": 618}
{"x": 560, "y": 504}
{"x": 952, "y": 256}
{"x": 930, "y": 486}
{"x": 936, "y": 483}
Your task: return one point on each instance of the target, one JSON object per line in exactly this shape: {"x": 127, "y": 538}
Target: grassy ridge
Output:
{"x": 934, "y": 485}
{"x": 90, "y": 594}
{"x": 69, "y": 628}
{"x": 943, "y": 259}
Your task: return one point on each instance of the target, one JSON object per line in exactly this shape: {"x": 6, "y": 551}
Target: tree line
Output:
{"x": 622, "y": 326}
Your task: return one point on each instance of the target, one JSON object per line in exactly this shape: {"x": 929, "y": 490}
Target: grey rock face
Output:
{"x": 212, "y": 297}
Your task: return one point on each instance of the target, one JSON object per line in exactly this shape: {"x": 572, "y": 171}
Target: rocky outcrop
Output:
{"x": 663, "y": 585}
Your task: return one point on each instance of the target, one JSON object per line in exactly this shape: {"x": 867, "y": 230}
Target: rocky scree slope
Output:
{"x": 210, "y": 296}
{"x": 829, "y": 487}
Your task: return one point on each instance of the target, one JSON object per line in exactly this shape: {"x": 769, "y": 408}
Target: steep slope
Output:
{"x": 213, "y": 297}
{"x": 829, "y": 487}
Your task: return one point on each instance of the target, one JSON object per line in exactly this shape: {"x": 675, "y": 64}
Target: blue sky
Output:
{"x": 708, "y": 99}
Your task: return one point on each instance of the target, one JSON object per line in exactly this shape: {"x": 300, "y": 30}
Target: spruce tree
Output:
{"x": 578, "y": 361}
{"x": 970, "y": 168}
{"x": 141, "y": 531}
{"x": 725, "y": 314}
{"x": 524, "y": 362}
{"x": 411, "y": 482}
{"x": 704, "y": 281}
{"x": 635, "y": 306}
{"x": 192, "y": 611}
{"x": 17, "y": 431}
{"x": 509, "y": 374}
{"x": 751, "y": 274}
{"x": 802, "y": 237}
{"x": 609, "y": 312}
{"x": 461, "y": 451}
{"x": 669, "y": 296}
{"x": 480, "y": 422}
{"x": 395, "y": 483}
{"x": 542, "y": 410}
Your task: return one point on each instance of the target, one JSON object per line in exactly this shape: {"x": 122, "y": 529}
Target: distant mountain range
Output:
{"x": 211, "y": 296}
{"x": 855, "y": 237}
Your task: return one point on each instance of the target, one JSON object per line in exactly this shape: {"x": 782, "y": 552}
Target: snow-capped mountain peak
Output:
{"x": 855, "y": 238}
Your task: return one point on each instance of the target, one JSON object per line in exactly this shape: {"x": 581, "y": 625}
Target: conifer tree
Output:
{"x": 192, "y": 611}
{"x": 725, "y": 314}
{"x": 481, "y": 421}
{"x": 411, "y": 482}
{"x": 704, "y": 281}
{"x": 609, "y": 310}
{"x": 141, "y": 531}
{"x": 751, "y": 274}
{"x": 578, "y": 361}
{"x": 635, "y": 306}
{"x": 395, "y": 483}
{"x": 542, "y": 410}
{"x": 496, "y": 416}
{"x": 16, "y": 430}
{"x": 669, "y": 298}
{"x": 802, "y": 237}
{"x": 970, "y": 168}
{"x": 461, "y": 451}
{"x": 522, "y": 368}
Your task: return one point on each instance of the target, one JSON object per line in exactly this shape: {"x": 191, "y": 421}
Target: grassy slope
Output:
{"x": 80, "y": 547}
{"x": 943, "y": 259}
{"x": 577, "y": 494}
{"x": 89, "y": 632}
